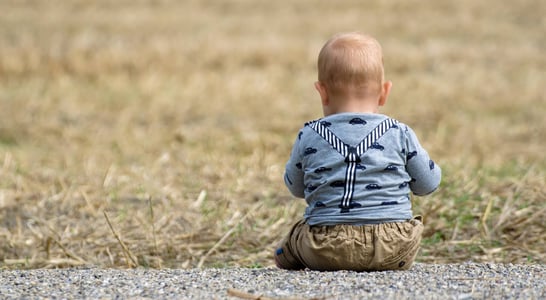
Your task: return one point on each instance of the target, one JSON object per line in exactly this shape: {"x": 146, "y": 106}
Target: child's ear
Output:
{"x": 385, "y": 91}
{"x": 321, "y": 88}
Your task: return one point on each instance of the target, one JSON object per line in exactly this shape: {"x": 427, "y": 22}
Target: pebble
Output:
{"x": 422, "y": 281}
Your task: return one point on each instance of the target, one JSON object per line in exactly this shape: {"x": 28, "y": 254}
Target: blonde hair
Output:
{"x": 350, "y": 60}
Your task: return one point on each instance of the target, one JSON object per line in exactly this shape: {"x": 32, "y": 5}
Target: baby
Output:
{"x": 356, "y": 169}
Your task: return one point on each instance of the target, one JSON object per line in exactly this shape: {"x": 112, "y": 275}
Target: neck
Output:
{"x": 352, "y": 106}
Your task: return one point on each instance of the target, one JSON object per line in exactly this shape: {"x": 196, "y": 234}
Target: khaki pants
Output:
{"x": 387, "y": 246}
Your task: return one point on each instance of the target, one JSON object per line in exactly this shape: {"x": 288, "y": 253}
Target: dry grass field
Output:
{"x": 155, "y": 133}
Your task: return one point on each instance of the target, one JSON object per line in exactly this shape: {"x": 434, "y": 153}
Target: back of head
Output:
{"x": 351, "y": 60}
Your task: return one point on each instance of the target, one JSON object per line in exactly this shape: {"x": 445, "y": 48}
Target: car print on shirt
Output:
{"x": 338, "y": 183}
{"x": 360, "y": 167}
{"x": 391, "y": 168}
{"x": 311, "y": 188}
{"x": 325, "y": 123}
{"x": 411, "y": 155}
{"x": 373, "y": 186}
{"x": 309, "y": 151}
{"x": 357, "y": 121}
{"x": 322, "y": 169}
{"x": 319, "y": 204}
{"x": 377, "y": 146}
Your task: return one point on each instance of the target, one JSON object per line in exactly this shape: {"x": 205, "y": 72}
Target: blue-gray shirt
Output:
{"x": 359, "y": 169}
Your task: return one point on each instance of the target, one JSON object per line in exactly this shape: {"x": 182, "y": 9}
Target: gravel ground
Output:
{"x": 423, "y": 281}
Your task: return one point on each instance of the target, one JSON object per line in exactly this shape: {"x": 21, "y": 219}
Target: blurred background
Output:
{"x": 155, "y": 133}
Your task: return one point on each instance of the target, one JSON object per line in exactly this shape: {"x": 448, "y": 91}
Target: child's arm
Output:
{"x": 425, "y": 174}
{"x": 293, "y": 175}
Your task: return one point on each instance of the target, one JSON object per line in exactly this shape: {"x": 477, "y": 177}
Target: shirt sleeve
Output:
{"x": 293, "y": 175}
{"x": 425, "y": 174}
